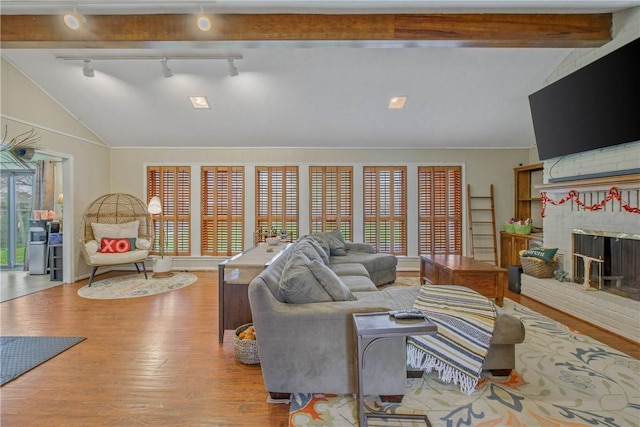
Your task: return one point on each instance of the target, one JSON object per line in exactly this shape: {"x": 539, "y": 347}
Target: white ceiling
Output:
{"x": 292, "y": 95}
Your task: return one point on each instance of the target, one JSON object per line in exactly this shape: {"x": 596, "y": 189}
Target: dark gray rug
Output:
{"x": 21, "y": 354}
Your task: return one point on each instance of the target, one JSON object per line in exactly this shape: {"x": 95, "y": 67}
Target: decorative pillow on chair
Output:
{"x": 117, "y": 246}
{"x": 331, "y": 282}
{"x": 143, "y": 244}
{"x": 92, "y": 247}
{"x": 114, "y": 231}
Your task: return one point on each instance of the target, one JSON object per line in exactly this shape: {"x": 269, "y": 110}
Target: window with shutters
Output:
{"x": 385, "y": 208}
{"x": 277, "y": 199}
{"x": 222, "y": 220}
{"x": 331, "y": 201}
{"x": 440, "y": 210}
{"x": 172, "y": 184}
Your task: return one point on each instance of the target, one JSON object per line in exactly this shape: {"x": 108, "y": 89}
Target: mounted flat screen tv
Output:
{"x": 596, "y": 106}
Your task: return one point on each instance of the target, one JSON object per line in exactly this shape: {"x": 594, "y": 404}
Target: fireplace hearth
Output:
{"x": 607, "y": 261}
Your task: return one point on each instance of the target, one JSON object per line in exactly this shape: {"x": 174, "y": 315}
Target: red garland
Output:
{"x": 614, "y": 193}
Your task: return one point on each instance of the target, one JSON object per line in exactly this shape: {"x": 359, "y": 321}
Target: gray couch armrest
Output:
{"x": 360, "y": 247}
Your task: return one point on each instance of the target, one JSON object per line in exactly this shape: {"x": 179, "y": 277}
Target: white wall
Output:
{"x": 87, "y": 172}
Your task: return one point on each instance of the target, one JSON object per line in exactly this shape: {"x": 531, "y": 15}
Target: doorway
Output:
{"x": 16, "y": 204}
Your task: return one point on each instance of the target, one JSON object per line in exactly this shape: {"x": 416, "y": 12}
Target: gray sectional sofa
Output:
{"x": 302, "y": 306}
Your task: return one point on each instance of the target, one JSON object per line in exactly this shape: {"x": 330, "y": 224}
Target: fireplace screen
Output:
{"x": 612, "y": 260}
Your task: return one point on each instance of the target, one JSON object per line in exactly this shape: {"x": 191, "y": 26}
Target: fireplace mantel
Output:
{"x": 623, "y": 182}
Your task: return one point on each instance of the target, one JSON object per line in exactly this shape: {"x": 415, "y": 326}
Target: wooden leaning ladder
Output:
{"x": 482, "y": 226}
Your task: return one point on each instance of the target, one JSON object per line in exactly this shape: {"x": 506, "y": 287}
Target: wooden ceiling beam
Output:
{"x": 401, "y": 30}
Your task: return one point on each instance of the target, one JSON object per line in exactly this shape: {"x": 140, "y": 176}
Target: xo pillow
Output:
{"x": 117, "y": 246}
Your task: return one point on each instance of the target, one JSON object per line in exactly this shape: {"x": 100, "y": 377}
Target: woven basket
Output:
{"x": 537, "y": 268}
{"x": 246, "y": 350}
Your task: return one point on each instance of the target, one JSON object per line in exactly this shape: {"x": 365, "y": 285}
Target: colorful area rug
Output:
{"x": 563, "y": 378}
{"x": 21, "y": 354}
{"x": 133, "y": 286}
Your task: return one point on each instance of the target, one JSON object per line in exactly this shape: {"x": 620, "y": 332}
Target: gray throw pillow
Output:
{"x": 298, "y": 285}
{"x": 308, "y": 249}
{"x": 322, "y": 242}
{"x": 324, "y": 256}
{"x": 331, "y": 282}
{"x": 336, "y": 242}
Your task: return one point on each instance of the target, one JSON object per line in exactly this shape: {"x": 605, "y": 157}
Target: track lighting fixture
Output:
{"x": 233, "y": 71}
{"x": 204, "y": 23}
{"x": 87, "y": 70}
{"x": 166, "y": 71}
{"x": 74, "y": 20}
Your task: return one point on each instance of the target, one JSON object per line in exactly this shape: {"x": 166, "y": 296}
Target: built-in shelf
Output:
{"x": 623, "y": 182}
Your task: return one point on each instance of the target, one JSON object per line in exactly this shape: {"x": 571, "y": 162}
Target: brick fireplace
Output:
{"x": 602, "y": 304}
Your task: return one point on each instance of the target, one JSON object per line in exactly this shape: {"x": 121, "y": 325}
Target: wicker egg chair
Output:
{"x": 111, "y": 210}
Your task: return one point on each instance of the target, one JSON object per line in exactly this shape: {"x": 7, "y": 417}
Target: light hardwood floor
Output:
{"x": 151, "y": 361}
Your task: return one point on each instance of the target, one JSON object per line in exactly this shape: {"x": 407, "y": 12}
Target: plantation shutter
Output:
{"x": 222, "y": 221}
{"x": 385, "y": 208}
{"x": 277, "y": 199}
{"x": 440, "y": 210}
{"x": 172, "y": 184}
{"x": 331, "y": 201}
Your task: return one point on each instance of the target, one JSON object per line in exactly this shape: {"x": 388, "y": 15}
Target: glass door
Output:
{"x": 16, "y": 198}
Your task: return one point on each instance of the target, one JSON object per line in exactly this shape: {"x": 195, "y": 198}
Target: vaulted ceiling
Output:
{"x": 311, "y": 73}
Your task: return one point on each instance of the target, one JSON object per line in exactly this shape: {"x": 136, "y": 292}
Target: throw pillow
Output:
{"x": 143, "y": 244}
{"x": 331, "y": 282}
{"x": 322, "y": 242}
{"x": 92, "y": 247}
{"x": 319, "y": 249}
{"x": 336, "y": 242}
{"x": 545, "y": 254}
{"x": 114, "y": 231}
{"x": 298, "y": 285}
{"x": 117, "y": 246}
{"x": 309, "y": 250}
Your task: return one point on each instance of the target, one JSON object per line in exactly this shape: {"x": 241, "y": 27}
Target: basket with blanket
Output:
{"x": 539, "y": 262}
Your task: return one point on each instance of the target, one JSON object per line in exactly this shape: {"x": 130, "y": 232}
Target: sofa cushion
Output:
{"x": 330, "y": 282}
{"x": 336, "y": 242}
{"x": 298, "y": 285}
{"x": 350, "y": 269}
{"x": 372, "y": 262}
{"x": 359, "y": 283}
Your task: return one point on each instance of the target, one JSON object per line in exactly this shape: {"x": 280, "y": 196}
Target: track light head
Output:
{"x": 233, "y": 71}
{"x": 87, "y": 70}
{"x": 166, "y": 71}
{"x": 74, "y": 20}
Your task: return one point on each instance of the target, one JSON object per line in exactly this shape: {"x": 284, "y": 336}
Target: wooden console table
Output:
{"x": 484, "y": 278}
{"x": 234, "y": 275}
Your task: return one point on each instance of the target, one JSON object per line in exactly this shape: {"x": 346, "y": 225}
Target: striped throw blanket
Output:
{"x": 465, "y": 321}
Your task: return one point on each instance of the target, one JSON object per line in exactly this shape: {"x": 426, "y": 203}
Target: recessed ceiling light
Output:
{"x": 199, "y": 102}
{"x": 397, "y": 102}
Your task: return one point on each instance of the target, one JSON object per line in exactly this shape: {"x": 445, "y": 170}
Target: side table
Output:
{"x": 371, "y": 327}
